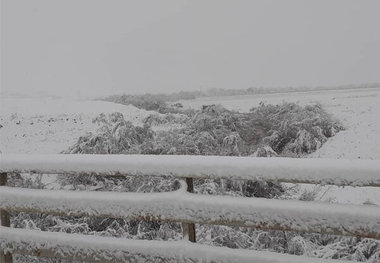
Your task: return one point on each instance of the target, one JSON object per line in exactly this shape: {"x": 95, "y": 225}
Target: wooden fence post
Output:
{"x": 5, "y": 221}
{"x": 189, "y": 228}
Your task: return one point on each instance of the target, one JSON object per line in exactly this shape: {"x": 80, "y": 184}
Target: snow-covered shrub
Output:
{"x": 264, "y": 151}
{"x": 286, "y": 130}
{"x": 115, "y": 136}
{"x": 300, "y": 246}
{"x": 26, "y": 181}
{"x": 356, "y": 249}
{"x": 156, "y": 102}
{"x": 165, "y": 119}
{"x": 296, "y": 130}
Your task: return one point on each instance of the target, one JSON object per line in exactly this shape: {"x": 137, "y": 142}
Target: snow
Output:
{"x": 44, "y": 126}
{"x": 180, "y": 206}
{"x": 340, "y": 195}
{"x": 293, "y": 170}
{"x": 52, "y": 125}
{"x": 359, "y": 111}
{"x": 123, "y": 250}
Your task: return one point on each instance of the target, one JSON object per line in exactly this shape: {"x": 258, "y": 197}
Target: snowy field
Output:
{"x": 51, "y": 125}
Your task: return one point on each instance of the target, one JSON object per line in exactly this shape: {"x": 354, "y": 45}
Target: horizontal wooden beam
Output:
{"x": 291, "y": 170}
{"x": 110, "y": 249}
{"x": 181, "y": 206}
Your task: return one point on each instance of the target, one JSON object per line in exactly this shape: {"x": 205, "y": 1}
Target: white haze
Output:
{"x": 95, "y": 48}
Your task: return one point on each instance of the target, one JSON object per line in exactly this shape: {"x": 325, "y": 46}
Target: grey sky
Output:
{"x": 103, "y": 47}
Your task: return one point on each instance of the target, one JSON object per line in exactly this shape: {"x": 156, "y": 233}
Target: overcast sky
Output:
{"x": 99, "y": 47}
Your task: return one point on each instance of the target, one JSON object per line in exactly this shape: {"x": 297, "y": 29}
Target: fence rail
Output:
{"x": 288, "y": 170}
{"x": 114, "y": 250}
{"x": 181, "y": 205}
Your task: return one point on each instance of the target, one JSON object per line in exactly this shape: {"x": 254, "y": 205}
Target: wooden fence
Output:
{"x": 181, "y": 205}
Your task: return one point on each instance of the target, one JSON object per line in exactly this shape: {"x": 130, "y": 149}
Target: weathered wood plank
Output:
{"x": 189, "y": 228}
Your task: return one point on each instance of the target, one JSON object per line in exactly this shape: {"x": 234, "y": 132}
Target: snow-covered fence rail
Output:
{"x": 289, "y": 170}
{"x": 115, "y": 250}
{"x": 180, "y": 205}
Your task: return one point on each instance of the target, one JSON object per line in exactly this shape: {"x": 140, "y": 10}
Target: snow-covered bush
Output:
{"x": 116, "y": 135}
{"x": 296, "y": 130}
{"x": 155, "y": 102}
{"x": 264, "y": 151}
{"x": 285, "y": 130}
{"x": 165, "y": 119}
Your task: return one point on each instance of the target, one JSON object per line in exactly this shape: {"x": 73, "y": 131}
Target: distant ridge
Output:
{"x": 216, "y": 92}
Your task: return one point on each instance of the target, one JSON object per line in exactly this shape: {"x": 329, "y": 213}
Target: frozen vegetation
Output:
{"x": 264, "y": 129}
{"x": 285, "y": 130}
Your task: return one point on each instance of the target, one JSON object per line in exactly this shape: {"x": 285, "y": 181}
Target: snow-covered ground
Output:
{"x": 52, "y": 125}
